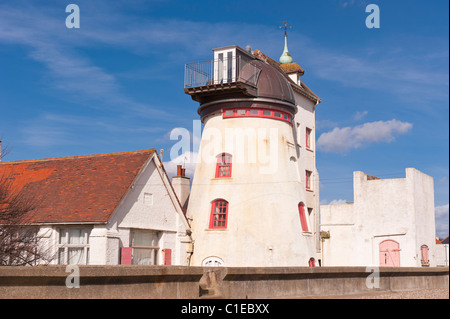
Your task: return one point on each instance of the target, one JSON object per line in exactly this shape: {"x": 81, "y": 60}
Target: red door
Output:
{"x": 389, "y": 253}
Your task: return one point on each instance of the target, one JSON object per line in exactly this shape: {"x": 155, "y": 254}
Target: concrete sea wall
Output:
{"x": 180, "y": 282}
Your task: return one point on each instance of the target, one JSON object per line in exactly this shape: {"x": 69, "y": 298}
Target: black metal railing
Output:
{"x": 211, "y": 72}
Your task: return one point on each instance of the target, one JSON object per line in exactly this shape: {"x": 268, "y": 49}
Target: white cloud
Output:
{"x": 338, "y": 202}
{"x": 385, "y": 70}
{"x": 441, "y": 211}
{"x": 333, "y": 202}
{"x": 341, "y": 140}
{"x": 38, "y": 136}
{"x": 360, "y": 115}
{"x": 442, "y": 224}
{"x": 56, "y": 47}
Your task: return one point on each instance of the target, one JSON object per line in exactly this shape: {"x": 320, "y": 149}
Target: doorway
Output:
{"x": 389, "y": 253}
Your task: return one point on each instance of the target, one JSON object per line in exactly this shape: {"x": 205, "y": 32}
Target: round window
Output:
{"x": 212, "y": 262}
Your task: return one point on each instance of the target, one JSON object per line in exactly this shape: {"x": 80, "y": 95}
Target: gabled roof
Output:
{"x": 78, "y": 189}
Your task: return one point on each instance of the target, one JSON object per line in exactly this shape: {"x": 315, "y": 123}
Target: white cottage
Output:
{"x": 389, "y": 223}
{"x": 104, "y": 209}
{"x": 254, "y": 194}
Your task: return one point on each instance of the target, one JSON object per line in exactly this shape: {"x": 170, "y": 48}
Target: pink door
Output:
{"x": 389, "y": 253}
{"x": 424, "y": 255}
{"x": 126, "y": 255}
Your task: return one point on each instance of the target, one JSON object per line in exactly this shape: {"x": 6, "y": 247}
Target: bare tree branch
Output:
{"x": 19, "y": 240}
{"x": 4, "y": 150}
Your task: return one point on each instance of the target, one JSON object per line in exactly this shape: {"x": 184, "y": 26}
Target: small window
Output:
{"x": 148, "y": 199}
{"x": 230, "y": 66}
{"x": 255, "y": 112}
{"x": 145, "y": 244}
{"x": 303, "y": 220}
{"x": 220, "y": 68}
{"x": 308, "y": 179}
{"x": 308, "y": 137}
{"x": 223, "y": 166}
{"x": 212, "y": 262}
{"x": 219, "y": 214}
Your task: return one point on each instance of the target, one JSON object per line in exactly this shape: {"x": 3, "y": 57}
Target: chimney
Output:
{"x": 181, "y": 184}
{"x": 0, "y": 150}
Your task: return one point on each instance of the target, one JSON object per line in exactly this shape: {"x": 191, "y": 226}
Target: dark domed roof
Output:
{"x": 271, "y": 83}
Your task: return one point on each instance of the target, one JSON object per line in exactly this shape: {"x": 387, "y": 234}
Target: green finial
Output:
{"x": 285, "y": 56}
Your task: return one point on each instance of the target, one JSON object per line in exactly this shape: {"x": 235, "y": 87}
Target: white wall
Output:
{"x": 442, "y": 255}
{"x": 135, "y": 211}
{"x": 306, "y": 159}
{"x": 152, "y": 205}
{"x": 400, "y": 209}
{"x": 263, "y": 222}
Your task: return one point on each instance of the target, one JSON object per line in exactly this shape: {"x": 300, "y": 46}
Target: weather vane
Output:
{"x": 285, "y": 27}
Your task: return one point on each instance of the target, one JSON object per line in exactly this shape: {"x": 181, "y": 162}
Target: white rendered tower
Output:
{"x": 254, "y": 197}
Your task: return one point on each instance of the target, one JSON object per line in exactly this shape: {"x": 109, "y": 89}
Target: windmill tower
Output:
{"x": 251, "y": 202}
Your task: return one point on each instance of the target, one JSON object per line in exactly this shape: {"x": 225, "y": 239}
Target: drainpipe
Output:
{"x": 323, "y": 262}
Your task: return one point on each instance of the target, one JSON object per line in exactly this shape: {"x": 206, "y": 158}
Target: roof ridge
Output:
{"x": 150, "y": 150}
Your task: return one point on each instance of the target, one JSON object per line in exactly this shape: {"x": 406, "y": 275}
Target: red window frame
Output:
{"x": 302, "y": 214}
{"x": 308, "y": 137}
{"x": 308, "y": 179}
{"x": 223, "y": 166}
{"x": 257, "y": 112}
{"x": 219, "y": 214}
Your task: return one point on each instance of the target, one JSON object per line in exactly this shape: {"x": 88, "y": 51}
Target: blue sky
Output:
{"x": 116, "y": 83}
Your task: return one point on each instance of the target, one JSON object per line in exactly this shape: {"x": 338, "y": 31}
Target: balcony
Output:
{"x": 232, "y": 74}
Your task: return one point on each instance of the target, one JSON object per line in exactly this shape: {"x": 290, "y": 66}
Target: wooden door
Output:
{"x": 424, "y": 254}
{"x": 389, "y": 253}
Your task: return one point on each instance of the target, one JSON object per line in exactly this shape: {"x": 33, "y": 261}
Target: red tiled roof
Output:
{"x": 78, "y": 189}
{"x": 292, "y": 68}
